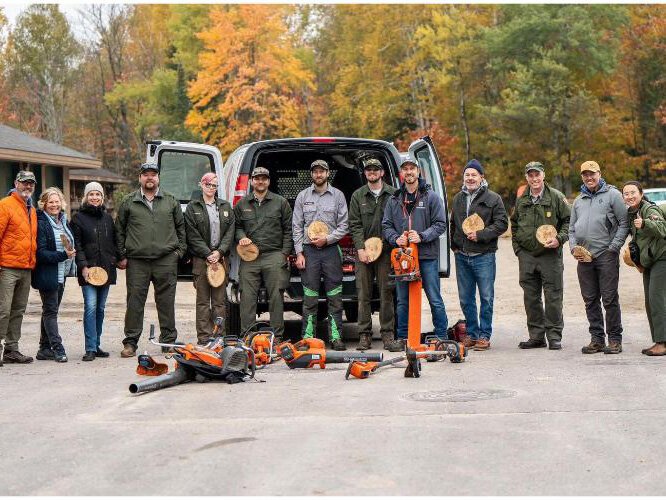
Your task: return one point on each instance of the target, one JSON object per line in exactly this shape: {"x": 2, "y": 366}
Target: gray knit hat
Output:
{"x": 93, "y": 186}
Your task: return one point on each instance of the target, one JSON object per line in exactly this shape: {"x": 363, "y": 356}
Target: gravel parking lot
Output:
{"x": 505, "y": 422}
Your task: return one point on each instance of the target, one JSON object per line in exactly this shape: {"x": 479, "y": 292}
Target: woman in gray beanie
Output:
{"x": 95, "y": 237}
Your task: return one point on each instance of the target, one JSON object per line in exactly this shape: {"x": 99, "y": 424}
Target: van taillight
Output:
{"x": 241, "y": 188}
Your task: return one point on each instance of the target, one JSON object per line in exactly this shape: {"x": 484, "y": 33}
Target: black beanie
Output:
{"x": 475, "y": 164}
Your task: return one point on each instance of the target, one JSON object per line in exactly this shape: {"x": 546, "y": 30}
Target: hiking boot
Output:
{"x": 338, "y": 345}
{"x": 89, "y": 356}
{"x": 397, "y": 345}
{"x": 532, "y": 344}
{"x": 16, "y": 357}
{"x": 554, "y": 345}
{"x": 613, "y": 348}
{"x": 128, "y": 351}
{"x": 45, "y": 354}
{"x": 101, "y": 354}
{"x": 468, "y": 341}
{"x": 364, "y": 342}
{"x": 481, "y": 345}
{"x": 593, "y": 347}
{"x": 60, "y": 357}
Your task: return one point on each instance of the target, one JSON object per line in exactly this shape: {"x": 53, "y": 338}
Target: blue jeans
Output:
{"x": 94, "y": 300}
{"x": 473, "y": 272}
{"x": 430, "y": 282}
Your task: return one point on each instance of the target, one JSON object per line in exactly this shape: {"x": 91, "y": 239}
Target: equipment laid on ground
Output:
{"x": 363, "y": 369}
{"x": 217, "y": 360}
{"x": 262, "y": 343}
{"x": 405, "y": 262}
{"x": 310, "y": 352}
{"x": 149, "y": 367}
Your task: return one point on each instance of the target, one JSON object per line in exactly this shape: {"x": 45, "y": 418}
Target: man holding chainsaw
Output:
{"x": 366, "y": 210}
{"x": 321, "y": 256}
{"x": 415, "y": 214}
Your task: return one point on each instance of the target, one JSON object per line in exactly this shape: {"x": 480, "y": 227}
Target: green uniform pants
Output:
{"x": 323, "y": 263}
{"x": 14, "y": 292}
{"x": 537, "y": 275}
{"x": 365, "y": 274}
{"x": 210, "y": 302}
{"x": 163, "y": 274}
{"x": 272, "y": 268}
{"x": 655, "y": 299}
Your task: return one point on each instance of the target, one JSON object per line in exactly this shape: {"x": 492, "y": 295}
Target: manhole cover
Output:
{"x": 458, "y": 396}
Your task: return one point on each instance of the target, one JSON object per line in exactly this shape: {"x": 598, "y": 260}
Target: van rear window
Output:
{"x": 180, "y": 172}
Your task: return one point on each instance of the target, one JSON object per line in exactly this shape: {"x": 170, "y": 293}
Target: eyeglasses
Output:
{"x": 210, "y": 186}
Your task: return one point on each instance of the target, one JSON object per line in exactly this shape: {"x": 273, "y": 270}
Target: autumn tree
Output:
{"x": 40, "y": 57}
{"x": 250, "y": 83}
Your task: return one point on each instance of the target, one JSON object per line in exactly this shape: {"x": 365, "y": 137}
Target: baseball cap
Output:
{"x": 261, "y": 171}
{"x": 320, "y": 164}
{"x": 149, "y": 166}
{"x": 373, "y": 163}
{"x": 409, "y": 161}
{"x": 26, "y": 176}
{"x": 534, "y": 165}
{"x": 590, "y": 166}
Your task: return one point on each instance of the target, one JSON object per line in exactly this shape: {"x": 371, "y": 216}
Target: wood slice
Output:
{"x": 626, "y": 256}
{"x": 545, "y": 233}
{"x": 579, "y": 251}
{"x": 248, "y": 253}
{"x": 216, "y": 274}
{"x": 97, "y": 276}
{"x": 373, "y": 247}
{"x": 65, "y": 242}
{"x": 317, "y": 229}
{"x": 472, "y": 223}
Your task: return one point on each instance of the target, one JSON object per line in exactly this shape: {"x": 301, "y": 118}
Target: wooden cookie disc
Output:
{"x": 545, "y": 233}
{"x": 472, "y": 223}
{"x": 216, "y": 274}
{"x": 579, "y": 251}
{"x": 626, "y": 256}
{"x": 373, "y": 247}
{"x": 248, "y": 253}
{"x": 97, "y": 276}
{"x": 317, "y": 229}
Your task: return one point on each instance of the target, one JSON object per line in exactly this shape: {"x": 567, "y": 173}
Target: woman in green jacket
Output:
{"x": 648, "y": 230}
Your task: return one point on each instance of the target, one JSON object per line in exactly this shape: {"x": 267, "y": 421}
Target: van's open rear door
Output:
{"x": 423, "y": 150}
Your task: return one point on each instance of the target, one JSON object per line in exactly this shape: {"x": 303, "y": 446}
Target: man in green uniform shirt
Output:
{"x": 540, "y": 265}
{"x": 366, "y": 209}
{"x": 263, "y": 218}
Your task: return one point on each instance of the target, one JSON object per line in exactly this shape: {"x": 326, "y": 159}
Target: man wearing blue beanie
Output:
{"x": 475, "y": 252}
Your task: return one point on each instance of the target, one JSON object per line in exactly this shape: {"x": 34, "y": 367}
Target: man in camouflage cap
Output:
{"x": 540, "y": 265}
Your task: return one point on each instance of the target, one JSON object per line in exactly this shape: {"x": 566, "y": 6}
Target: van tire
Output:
{"x": 351, "y": 311}
{"x": 233, "y": 319}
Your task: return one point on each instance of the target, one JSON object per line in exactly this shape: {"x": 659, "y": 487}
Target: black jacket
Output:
{"x": 45, "y": 274}
{"x": 490, "y": 207}
{"x": 197, "y": 227}
{"x": 95, "y": 237}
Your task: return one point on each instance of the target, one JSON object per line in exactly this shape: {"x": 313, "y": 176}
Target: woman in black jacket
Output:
{"x": 54, "y": 264}
{"x": 95, "y": 236}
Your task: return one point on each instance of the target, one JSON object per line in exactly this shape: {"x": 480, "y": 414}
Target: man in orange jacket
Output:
{"x": 18, "y": 255}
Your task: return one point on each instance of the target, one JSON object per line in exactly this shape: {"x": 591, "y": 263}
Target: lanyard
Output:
{"x": 408, "y": 216}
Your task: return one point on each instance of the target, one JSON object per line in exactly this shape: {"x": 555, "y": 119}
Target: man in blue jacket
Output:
{"x": 416, "y": 209}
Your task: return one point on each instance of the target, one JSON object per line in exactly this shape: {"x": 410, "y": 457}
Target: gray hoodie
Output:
{"x": 599, "y": 220}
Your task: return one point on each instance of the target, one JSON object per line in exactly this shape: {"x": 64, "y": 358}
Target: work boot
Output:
{"x": 397, "y": 345}
{"x": 89, "y": 356}
{"x": 128, "y": 351}
{"x": 60, "y": 357}
{"x": 468, "y": 342}
{"x": 593, "y": 347}
{"x": 481, "y": 345}
{"x": 45, "y": 353}
{"x": 364, "y": 342}
{"x": 101, "y": 354}
{"x": 338, "y": 345}
{"x": 613, "y": 348}
{"x": 554, "y": 345}
{"x": 16, "y": 357}
{"x": 532, "y": 344}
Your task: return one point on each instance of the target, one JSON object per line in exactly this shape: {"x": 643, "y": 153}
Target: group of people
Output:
{"x": 39, "y": 246}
